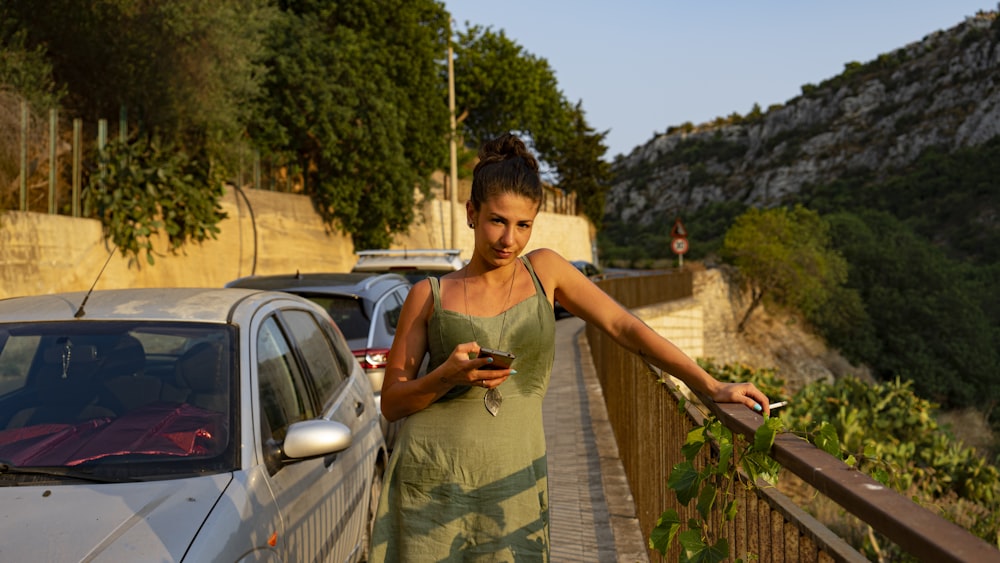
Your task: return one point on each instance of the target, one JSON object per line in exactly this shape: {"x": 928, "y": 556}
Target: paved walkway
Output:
{"x": 591, "y": 507}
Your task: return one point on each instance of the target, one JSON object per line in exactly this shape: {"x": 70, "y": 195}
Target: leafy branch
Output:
{"x": 142, "y": 188}
{"x": 736, "y": 461}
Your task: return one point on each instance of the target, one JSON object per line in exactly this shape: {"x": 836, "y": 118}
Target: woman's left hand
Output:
{"x": 745, "y": 393}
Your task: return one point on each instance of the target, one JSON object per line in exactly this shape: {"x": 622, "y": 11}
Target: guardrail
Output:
{"x": 658, "y": 287}
{"x": 650, "y": 429}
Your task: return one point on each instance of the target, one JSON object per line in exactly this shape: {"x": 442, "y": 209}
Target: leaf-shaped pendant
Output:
{"x": 493, "y": 399}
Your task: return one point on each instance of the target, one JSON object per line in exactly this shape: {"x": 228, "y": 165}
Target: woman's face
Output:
{"x": 503, "y": 227}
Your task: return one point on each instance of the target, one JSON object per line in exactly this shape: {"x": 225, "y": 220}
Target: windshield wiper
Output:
{"x": 7, "y": 468}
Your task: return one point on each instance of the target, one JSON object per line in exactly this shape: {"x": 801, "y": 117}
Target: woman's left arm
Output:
{"x": 584, "y": 299}
{"x": 634, "y": 335}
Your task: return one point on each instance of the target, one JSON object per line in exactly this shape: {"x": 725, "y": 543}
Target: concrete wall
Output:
{"x": 682, "y": 322}
{"x": 276, "y": 233}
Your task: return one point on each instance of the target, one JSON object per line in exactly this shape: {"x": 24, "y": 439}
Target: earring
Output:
{"x": 472, "y": 225}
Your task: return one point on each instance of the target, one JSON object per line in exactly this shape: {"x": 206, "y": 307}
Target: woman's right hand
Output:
{"x": 465, "y": 368}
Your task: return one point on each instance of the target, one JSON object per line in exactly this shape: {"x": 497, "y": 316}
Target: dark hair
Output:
{"x": 505, "y": 166}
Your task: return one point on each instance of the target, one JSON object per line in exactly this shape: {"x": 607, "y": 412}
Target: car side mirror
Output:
{"x": 315, "y": 438}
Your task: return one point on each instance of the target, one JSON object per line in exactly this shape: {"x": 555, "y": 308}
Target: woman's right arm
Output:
{"x": 403, "y": 393}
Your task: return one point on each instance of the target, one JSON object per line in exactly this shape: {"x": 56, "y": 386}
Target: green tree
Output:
{"x": 582, "y": 168}
{"x": 25, "y": 76}
{"x": 25, "y": 71}
{"x": 356, "y": 96}
{"x": 500, "y": 87}
{"x": 185, "y": 70}
{"x": 784, "y": 254}
{"x": 924, "y": 322}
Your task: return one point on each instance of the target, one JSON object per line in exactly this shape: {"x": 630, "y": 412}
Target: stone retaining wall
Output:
{"x": 276, "y": 233}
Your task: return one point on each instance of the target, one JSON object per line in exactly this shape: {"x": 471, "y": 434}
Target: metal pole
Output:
{"x": 53, "y": 131}
{"x": 256, "y": 170}
{"x": 77, "y": 153}
{"x": 102, "y": 141}
{"x": 102, "y": 133}
{"x": 123, "y": 125}
{"x": 24, "y": 155}
{"x": 453, "y": 183}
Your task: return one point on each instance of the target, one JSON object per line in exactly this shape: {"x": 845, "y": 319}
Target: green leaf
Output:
{"x": 730, "y": 511}
{"x": 871, "y": 450}
{"x": 663, "y": 533}
{"x": 695, "y": 550}
{"x": 684, "y": 480}
{"x": 764, "y": 436}
{"x": 706, "y": 500}
{"x": 761, "y": 466}
{"x": 692, "y": 544}
{"x": 825, "y": 438}
{"x": 694, "y": 443}
{"x": 725, "y": 457}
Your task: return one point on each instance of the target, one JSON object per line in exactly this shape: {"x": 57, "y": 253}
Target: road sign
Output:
{"x": 679, "y": 245}
{"x": 678, "y": 230}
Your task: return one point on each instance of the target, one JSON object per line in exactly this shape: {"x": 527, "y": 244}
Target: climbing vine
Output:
{"x": 713, "y": 485}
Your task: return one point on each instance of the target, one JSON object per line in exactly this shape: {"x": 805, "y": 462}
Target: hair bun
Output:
{"x": 506, "y": 147}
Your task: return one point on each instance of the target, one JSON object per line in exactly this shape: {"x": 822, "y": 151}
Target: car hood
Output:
{"x": 149, "y": 521}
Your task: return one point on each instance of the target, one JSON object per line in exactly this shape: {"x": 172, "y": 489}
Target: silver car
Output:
{"x": 183, "y": 425}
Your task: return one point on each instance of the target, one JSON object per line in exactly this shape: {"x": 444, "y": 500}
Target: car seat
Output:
{"x": 65, "y": 386}
{"x": 202, "y": 372}
{"x": 125, "y": 386}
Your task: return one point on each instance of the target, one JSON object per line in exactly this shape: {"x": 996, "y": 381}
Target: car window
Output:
{"x": 345, "y": 357}
{"x": 347, "y": 313}
{"x": 282, "y": 399}
{"x": 317, "y": 352}
{"x": 388, "y": 313}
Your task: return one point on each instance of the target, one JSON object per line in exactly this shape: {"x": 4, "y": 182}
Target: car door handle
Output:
{"x": 359, "y": 408}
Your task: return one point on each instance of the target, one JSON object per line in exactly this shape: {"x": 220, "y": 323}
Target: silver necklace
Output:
{"x": 493, "y": 397}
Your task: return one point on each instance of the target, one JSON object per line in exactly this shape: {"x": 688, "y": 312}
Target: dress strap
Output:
{"x": 435, "y": 292}
{"x": 534, "y": 277}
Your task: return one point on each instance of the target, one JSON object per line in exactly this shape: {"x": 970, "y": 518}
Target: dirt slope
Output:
{"x": 770, "y": 340}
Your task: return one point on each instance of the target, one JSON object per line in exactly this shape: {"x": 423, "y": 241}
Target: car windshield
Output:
{"x": 136, "y": 400}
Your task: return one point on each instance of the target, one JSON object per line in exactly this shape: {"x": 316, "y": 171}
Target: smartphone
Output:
{"x": 501, "y": 360}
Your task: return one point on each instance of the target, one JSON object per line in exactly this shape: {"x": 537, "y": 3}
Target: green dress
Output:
{"x": 463, "y": 485}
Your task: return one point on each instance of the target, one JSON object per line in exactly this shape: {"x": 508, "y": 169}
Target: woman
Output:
{"x": 467, "y": 478}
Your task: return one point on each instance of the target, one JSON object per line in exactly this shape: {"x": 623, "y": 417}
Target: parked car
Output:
{"x": 414, "y": 264}
{"x": 365, "y": 307}
{"x": 183, "y": 425}
{"x": 587, "y": 269}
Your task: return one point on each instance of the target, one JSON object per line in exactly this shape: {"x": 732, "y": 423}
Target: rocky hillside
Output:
{"x": 875, "y": 118}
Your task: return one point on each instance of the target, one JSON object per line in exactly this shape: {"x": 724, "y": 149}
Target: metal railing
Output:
{"x": 650, "y": 429}
{"x": 656, "y": 287}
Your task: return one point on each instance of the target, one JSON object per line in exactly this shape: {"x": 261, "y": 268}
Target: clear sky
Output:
{"x": 641, "y": 66}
